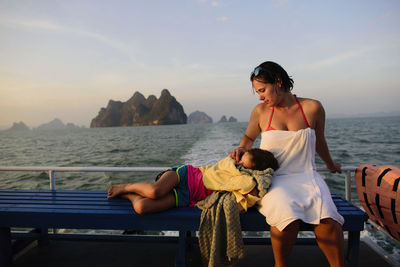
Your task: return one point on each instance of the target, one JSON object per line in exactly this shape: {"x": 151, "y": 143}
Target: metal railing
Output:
{"x": 347, "y": 170}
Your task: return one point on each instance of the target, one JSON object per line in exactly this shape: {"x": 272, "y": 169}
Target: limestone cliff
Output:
{"x": 224, "y": 119}
{"x": 56, "y": 124}
{"x": 232, "y": 119}
{"x": 18, "y": 126}
{"x": 199, "y": 117}
{"x": 139, "y": 111}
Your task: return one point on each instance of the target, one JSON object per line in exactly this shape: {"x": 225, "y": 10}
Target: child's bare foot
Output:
{"x": 116, "y": 190}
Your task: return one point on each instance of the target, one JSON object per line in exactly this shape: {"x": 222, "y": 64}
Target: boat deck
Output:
{"x": 116, "y": 253}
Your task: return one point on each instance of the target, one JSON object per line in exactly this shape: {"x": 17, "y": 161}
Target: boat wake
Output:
{"x": 213, "y": 146}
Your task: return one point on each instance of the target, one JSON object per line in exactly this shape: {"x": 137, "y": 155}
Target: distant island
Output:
{"x": 231, "y": 119}
{"x": 140, "y": 111}
{"x": 55, "y": 124}
{"x": 18, "y": 126}
{"x": 199, "y": 117}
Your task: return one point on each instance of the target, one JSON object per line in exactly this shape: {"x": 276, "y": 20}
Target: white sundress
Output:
{"x": 297, "y": 191}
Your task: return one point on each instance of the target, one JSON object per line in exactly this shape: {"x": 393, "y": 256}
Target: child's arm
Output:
{"x": 254, "y": 192}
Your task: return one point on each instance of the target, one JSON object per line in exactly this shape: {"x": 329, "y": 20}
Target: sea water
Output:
{"x": 352, "y": 142}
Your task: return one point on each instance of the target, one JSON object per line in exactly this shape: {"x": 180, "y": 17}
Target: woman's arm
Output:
{"x": 253, "y": 130}
{"x": 321, "y": 145}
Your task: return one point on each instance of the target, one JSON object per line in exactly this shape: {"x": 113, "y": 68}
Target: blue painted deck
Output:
{"x": 45, "y": 209}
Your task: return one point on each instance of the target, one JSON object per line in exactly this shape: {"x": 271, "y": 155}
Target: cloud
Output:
{"x": 381, "y": 18}
{"x": 279, "y": 3}
{"x": 51, "y": 26}
{"x": 222, "y": 19}
{"x": 336, "y": 59}
{"x": 213, "y": 3}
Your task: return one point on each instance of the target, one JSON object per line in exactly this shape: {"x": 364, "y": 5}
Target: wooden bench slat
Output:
{"x": 50, "y": 197}
{"x": 76, "y": 194}
{"x": 55, "y": 210}
{"x": 61, "y": 207}
{"x": 102, "y": 192}
{"x": 100, "y": 201}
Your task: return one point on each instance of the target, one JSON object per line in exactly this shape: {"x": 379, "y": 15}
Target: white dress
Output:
{"x": 297, "y": 191}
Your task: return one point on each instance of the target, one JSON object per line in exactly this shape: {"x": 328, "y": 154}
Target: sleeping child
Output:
{"x": 186, "y": 185}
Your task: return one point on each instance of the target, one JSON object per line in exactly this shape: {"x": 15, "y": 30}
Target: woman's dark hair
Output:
{"x": 271, "y": 72}
{"x": 263, "y": 159}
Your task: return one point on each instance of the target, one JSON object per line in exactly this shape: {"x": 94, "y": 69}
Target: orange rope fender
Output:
{"x": 378, "y": 189}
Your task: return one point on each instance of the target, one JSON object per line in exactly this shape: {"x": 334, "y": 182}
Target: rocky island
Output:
{"x": 140, "y": 111}
{"x": 231, "y": 119}
{"x": 56, "y": 124}
{"x": 198, "y": 117}
{"x": 18, "y": 126}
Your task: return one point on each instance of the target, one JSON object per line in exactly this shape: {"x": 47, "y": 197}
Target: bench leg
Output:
{"x": 44, "y": 236}
{"x": 5, "y": 247}
{"x": 180, "y": 260}
{"x": 353, "y": 248}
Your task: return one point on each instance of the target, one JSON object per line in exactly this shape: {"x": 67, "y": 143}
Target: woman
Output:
{"x": 292, "y": 128}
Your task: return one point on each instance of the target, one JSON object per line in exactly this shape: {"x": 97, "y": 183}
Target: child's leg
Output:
{"x": 132, "y": 197}
{"x": 154, "y": 190}
{"x": 144, "y": 205}
{"x": 157, "y": 189}
{"x": 117, "y": 190}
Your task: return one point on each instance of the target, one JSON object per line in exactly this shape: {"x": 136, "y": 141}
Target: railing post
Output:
{"x": 348, "y": 186}
{"x": 52, "y": 180}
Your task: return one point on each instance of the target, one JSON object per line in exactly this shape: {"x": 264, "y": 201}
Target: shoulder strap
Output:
{"x": 270, "y": 119}
{"x": 302, "y": 112}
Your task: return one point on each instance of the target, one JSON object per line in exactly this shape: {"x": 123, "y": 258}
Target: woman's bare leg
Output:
{"x": 151, "y": 190}
{"x": 283, "y": 241}
{"x": 330, "y": 239}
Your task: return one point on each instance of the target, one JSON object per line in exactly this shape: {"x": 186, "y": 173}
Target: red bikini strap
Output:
{"x": 270, "y": 119}
{"x": 302, "y": 112}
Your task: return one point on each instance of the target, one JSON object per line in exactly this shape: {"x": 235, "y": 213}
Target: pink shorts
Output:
{"x": 197, "y": 190}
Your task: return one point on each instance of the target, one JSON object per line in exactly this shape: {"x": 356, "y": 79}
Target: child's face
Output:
{"x": 246, "y": 161}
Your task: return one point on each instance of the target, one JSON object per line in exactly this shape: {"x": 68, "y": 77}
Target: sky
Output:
{"x": 67, "y": 59}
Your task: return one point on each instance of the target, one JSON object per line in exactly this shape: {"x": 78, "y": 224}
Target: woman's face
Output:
{"x": 268, "y": 93}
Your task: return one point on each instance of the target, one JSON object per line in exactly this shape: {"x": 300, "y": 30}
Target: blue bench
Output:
{"x": 46, "y": 209}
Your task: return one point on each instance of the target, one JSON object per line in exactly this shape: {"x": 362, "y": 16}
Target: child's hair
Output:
{"x": 263, "y": 159}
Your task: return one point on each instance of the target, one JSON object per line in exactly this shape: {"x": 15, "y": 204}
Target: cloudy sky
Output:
{"x": 66, "y": 59}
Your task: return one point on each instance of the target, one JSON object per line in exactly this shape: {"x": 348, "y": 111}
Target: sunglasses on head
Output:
{"x": 256, "y": 71}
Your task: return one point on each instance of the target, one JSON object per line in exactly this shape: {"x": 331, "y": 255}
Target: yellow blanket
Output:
{"x": 224, "y": 176}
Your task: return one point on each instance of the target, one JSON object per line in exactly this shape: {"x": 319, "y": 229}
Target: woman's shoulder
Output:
{"x": 310, "y": 105}
{"x": 313, "y": 110}
{"x": 261, "y": 108}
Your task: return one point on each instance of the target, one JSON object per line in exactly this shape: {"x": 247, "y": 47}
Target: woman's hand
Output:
{"x": 237, "y": 153}
{"x": 335, "y": 167}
